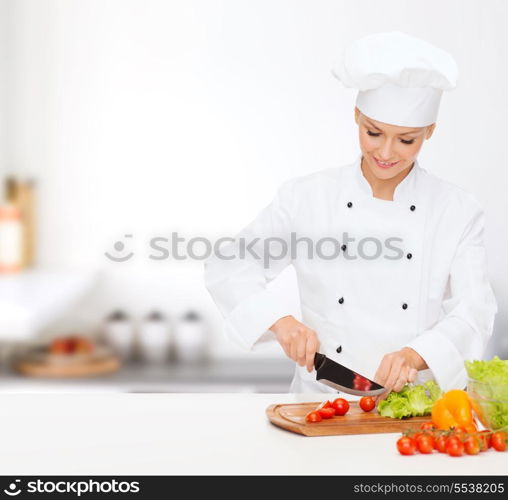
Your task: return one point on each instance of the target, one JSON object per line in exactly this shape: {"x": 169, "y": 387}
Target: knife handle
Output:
{"x": 319, "y": 359}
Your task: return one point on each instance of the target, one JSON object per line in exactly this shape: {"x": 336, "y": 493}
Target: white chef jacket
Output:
{"x": 434, "y": 298}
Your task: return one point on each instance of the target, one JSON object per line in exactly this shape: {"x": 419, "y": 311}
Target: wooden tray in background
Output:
{"x": 292, "y": 418}
{"x": 37, "y": 363}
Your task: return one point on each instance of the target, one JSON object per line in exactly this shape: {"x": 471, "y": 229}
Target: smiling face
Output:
{"x": 387, "y": 149}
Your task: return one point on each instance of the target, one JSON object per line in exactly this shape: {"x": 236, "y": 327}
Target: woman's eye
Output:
{"x": 377, "y": 134}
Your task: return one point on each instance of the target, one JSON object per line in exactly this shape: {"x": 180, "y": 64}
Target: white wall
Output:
{"x": 4, "y": 17}
{"x": 146, "y": 117}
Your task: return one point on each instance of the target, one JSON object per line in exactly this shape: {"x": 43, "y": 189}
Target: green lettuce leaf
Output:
{"x": 411, "y": 401}
{"x": 418, "y": 400}
{"x": 493, "y": 374}
{"x": 394, "y": 408}
{"x": 433, "y": 390}
{"x": 489, "y": 384}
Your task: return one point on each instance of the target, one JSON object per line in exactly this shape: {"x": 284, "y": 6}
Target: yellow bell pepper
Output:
{"x": 453, "y": 409}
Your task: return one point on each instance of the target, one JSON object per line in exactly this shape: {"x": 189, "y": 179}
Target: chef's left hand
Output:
{"x": 398, "y": 368}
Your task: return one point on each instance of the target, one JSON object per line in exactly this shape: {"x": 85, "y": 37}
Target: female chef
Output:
{"x": 406, "y": 293}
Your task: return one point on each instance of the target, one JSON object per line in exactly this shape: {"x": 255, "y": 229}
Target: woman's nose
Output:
{"x": 385, "y": 152}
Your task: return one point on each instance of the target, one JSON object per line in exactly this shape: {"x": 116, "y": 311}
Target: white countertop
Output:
{"x": 166, "y": 434}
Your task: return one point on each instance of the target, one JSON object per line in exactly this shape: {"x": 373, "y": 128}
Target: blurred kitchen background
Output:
{"x": 124, "y": 120}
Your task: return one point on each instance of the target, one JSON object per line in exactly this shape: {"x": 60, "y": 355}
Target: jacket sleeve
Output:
{"x": 237, "y": 274}
{"x": 470, "y": 307}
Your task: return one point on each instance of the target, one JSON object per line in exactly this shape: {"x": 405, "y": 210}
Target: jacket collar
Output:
{"x": 405, "y": 191}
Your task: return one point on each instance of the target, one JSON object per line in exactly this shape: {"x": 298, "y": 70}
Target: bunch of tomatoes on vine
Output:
{"x": 454, "y": 442}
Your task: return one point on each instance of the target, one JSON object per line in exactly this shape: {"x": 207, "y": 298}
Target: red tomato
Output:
{"x": 367, "y": 403}
{"x": 313, "y": 416}
{"x": 324, "y": 404}
{"x": 440, "y": 443}
{"x": 427, "y": 426}
{"x": 499, "y": 441}
{"x": 327, "y": 412}
{"x": 341, "y": 406}
{"x": 406, "y": 445}
{"x": 59, "y": 345}
{"x": 472, "y": 445}
{"x": 425, "y": 443}
{"x": 454, "y": 446}
{"x": 416, "y": 435}
{"x": 485, "y": 438}
{"x": 459, "y": 431}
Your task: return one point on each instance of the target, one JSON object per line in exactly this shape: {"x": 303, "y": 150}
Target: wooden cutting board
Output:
{"x": 292, "y": 418}
{"x": 39, "y": 363}
{"x": 88, "y": 368}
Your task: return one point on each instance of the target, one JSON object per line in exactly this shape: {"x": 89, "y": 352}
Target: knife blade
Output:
{"x": 344, "y": 379}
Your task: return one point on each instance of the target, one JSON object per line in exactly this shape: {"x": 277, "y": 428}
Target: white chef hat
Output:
{"x": 399, "y": 78}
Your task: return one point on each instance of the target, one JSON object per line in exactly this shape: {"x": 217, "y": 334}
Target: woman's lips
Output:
{"x": 383, "y": 164}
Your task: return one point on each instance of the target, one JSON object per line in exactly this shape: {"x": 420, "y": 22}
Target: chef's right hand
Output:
{"x": 300, "y": 343}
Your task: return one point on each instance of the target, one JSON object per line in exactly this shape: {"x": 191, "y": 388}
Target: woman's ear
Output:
{"x": 430, "y": 131}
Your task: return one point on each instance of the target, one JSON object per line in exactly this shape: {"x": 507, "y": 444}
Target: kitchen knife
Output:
{"x": 343, "y": 379}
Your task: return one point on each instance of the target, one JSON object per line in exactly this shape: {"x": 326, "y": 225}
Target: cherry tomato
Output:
{"x": 485, "y": 438}
{"x": 440, "y": 443}
{"x": 324, "y": 404}
{"x": 425, "y": 443}
{"x": 472, "y": 445}
{"x": 427, "y": 426}
{"x": 406, "y": 445}
{"x": 416, "y": 435}
{"x": 341, "y": 406}
{"x": 498, "y": 441}
{"x": 313, "y": 416}
{"x": 367, "y": 403}
{"x": 59, "y": 345}
{"x": 454, "y": 446}
{"x": 459, "y": 431}
{"x": 326, "y": 412}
